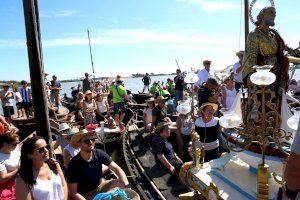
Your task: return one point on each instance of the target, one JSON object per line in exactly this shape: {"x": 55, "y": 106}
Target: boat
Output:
{"x": 151, "y": 181}
{"x": 141, "y": 98}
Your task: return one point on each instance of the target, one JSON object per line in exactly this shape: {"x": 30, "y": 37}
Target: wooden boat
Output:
{"x": 151, "y": 181}
{"x": 141, "y": 98}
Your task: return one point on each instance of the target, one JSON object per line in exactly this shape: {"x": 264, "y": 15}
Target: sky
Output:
{"x": 133, "y": 36}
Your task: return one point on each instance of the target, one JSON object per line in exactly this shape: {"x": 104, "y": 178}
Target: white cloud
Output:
{"x": 214, "y": 6}
{"x": 188, "y": 40}
{"x": 58, "y": 13}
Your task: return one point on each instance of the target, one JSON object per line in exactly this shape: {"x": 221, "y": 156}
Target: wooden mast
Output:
{"x": 34, "y": 48}
{"x": 246, "y": 5}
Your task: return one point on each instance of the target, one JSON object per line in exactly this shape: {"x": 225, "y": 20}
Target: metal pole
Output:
{"x": 246, "y": 19}
{"x": 36, "y": 69}
{"x": 91, "y": 54}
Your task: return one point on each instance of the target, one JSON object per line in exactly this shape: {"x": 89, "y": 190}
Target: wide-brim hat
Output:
{"x": 150, "y": 100}
{"x": 63, "y": 127}
{"x": 160, "y": 99}
{"x": 215, "y": 107}
{"x": 160, "y": 126}
{"x": 183, "y": 108}
{"x": 240, "y": 53}
{"x": 88, "y": 92}
{"x": 5, "y": 85}
{"x": 206, "y": 62}
{"x": 79, "y": 135}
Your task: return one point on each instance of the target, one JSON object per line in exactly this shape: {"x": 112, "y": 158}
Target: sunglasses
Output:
{"x": 87, "y": 141}
{"x": 42, "y": 149}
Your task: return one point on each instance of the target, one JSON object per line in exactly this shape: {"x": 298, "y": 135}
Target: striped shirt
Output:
{"x": 26, "y": 94}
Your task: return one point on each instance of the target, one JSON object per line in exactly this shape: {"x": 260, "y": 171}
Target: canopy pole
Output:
{"x": 34, "y": 48}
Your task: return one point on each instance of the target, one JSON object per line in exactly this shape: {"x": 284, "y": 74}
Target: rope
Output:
{"x": 240, "y": 35}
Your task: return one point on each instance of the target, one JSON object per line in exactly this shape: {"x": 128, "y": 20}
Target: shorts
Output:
{"x": 8, "y": 111}
{"x": 178, "y": 95}
{"x": 119, "y": 106}
{"x": 19, "y": 105}
{"x": 26, "y": 105}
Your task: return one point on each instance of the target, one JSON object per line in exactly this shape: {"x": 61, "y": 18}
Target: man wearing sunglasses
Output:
{"x": 84, "y": 173}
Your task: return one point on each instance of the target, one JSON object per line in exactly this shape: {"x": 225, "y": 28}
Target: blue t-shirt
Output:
{"x": 88, "y": 175}
{"x": 162, "y": 146}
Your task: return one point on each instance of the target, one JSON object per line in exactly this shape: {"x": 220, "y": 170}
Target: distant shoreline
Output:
{"x": 14, "y": 82}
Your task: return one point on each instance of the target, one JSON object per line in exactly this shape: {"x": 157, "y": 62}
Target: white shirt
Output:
{"x": 48, "y": 189}
{"x": 101, "y": 106}
{"x": 238, "y": 77}
{"x": 10, "y": 162}
{"x": 148, "y": 112}
{"x": 203, "y": 75}
{"x": 72, "y": 151}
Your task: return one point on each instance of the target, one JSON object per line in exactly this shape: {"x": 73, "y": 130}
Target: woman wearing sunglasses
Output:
{"x": 9, "y": 164}
{"x": 41, "y": 178}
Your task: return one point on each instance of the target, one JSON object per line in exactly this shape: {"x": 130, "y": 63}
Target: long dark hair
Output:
{"x": 26, "y": 171}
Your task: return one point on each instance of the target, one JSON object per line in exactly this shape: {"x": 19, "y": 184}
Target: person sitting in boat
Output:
{"x": 208, "y": 128}
{"x": 9, "y": 163}
{"x": 228, "y": 92}
{"x": 79, "y": 117}
{"x": 159, "y": 112}
{"x": 154, "y": 89}
{"x": 89, "y": 107}
{"x": 171, "y": 87}
{"x": 147, "y": 114}
{"x": 71, "y": 149}
{"x": 184, "y": 125}
{"x": 237, "y": 71}
{"x": 163, "y": 150}
{"x": 119, "y": 94}
{"x": 40, "y": 177}
{"x": 4, "y": 125}
{"x": 294, "y": 87}
{"x": 61, "y": 140}
{"x": 84, "y": 172}
{"x": 209, "y": 92}
{"x": 102, "y": 107}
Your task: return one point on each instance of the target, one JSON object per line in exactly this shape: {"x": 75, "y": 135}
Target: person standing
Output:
{"x": 86, "y": 83}
{"x": 237, "y": 71}
{"x": 26, "y": 95}
{"x": 55, "y": 87}
{"x": 7, "y": 98}
{"x": 179, "y": 83}
{"x": 119, "y": 94}
{"x": 205, "y": 73}
{"x": 146, "y": 80}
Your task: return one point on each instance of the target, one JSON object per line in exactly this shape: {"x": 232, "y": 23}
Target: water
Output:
{"x": 132, "y": 84}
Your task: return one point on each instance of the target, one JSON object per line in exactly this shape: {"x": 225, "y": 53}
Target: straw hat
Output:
{"x": 240, "y": 53}
{"x": 160, "y": 126}
{"x": 183, "y": 108}
{"x": 206, "y": 62}
{"x": 5, "y": 85}
{"x": 77, "y": 136}
{"x": 63, "y": 126}
{"x": 160, "y": 99}
{"x": 215, "y": 107}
